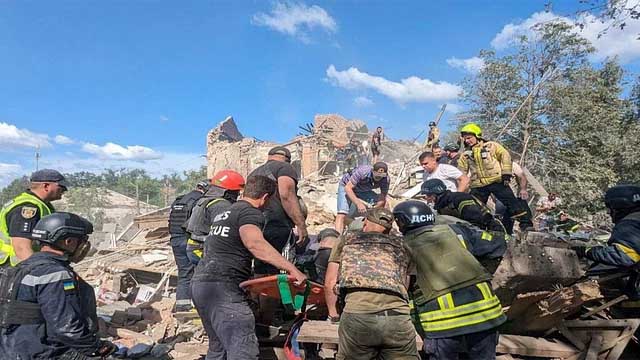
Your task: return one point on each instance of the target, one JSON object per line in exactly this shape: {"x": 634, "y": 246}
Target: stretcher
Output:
{"x": 282, "y": 287}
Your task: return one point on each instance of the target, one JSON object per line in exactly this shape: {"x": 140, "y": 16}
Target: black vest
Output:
{"x": 181, "y": 210}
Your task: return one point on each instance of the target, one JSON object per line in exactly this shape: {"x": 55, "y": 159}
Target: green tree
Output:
{"x": 13, "y": 189}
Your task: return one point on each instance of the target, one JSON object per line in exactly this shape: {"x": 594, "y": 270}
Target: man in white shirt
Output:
{"x": 453, "y": 178}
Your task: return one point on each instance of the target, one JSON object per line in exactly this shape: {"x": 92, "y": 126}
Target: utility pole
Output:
{"x": 37, "y": 156}
{"x": 137, "y": 198}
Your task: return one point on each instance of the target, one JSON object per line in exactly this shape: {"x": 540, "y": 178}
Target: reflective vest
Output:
{"x": 374, "y": 261}
{"x": 472, "y": 309}
{"x": 442, "y": 261}
{"x": 486, "y": 162}
{"x": 6, "y": 249}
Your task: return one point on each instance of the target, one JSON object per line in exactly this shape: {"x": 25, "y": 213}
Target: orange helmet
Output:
{"x": 228, "y": 179}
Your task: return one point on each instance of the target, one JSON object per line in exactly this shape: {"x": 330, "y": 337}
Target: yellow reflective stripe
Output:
{"x": 441, "y": 302}
{"x": 486, "y": 236}
{"x": 484, "y": 289}
{"x": 574, "y": 228}
{"x": 214, "y": 201}
{"x": 411, "y": 305}
{"x": 7, "y": 248}
{"x": 461, "y": 238}
{"x": 632, "y": 254}
{"x": 465, "y": 203}
{"x": 193, "y": 242}
{"x": 476, "y": 318}
{"x": 446, "y": 301}
{"x": 459, "y": 311}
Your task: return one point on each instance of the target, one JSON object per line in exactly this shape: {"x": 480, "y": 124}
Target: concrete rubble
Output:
{"x": 540, "y": 281}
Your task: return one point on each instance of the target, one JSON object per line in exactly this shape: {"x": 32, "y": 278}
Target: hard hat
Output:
{"x": 471, "y": 128}
{"x": 228, "y": 179}
{"x": 413, "y": 214}
{"x": 621, "y": 197}
{"x": 432, "y": 124}
{"x": 452, "y": 147}
{"x": 433, "y": 187}
{"x": 60, "y": 226}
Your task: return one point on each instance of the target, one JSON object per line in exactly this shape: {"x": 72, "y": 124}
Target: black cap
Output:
{"x": 49, "y": 175}
{"x": 280, "y": 150}
{"x": 380, "y": 165}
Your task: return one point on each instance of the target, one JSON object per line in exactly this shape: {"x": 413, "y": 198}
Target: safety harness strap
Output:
{"x": 297, "y": 302}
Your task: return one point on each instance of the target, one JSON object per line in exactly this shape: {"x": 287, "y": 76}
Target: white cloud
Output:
{"x": 63, "y": 140}
{"x": 362, "y": 101}
{"x": 471, "y": 65}
{"x": 614, "y": 42}
{"x": 454, "y": 108}
{"x": 8, "y": 172}
{"x": 11, "y": 136}
{"x": 411, "y": 89}
{"x": 111, "y": 151}
{"x": 296, "y": 19}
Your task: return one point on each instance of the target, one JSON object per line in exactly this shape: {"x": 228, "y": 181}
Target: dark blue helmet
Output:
{"x": 60, "y": 226}
{"x": 433, "y": 187}
{"x": 413, "y": 214}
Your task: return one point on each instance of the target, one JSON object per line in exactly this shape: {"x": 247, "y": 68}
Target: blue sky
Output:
{"x": 115, "y": 84}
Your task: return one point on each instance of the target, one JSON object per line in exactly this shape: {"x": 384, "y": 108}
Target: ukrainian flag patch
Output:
{"x": 69, "y": 285}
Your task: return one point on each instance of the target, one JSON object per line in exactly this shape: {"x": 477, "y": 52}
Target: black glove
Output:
{"x": 506, "y": 179}
{"x": 581, "y": 251}
{"x": 106, "y": 348}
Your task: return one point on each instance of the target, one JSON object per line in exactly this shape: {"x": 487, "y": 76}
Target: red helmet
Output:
{"x": 228, "y": 179}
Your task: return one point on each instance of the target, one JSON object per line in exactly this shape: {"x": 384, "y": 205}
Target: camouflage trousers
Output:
{"x": 384, "y": 335}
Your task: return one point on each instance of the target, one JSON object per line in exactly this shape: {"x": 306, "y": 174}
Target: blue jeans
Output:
{"x": 185, "y": 269}
{"x": 346, "y": 207}
{"x": 227, "y": 319}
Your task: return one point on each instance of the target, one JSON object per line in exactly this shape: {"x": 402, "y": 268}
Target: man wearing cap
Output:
{"x": 356, "y": 188}
{"x": 19, "y": 216}
{"x": 178, "y": 219}
{"x": 371, "y": 269}
{"x": 452, "y": 154}
{"x": 283, "y": 211}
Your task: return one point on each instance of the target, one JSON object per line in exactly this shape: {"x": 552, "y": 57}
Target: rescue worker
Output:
{"x": 490, "y": 169}
{"x": 501, "y": 211}
{"x": 461, "y": 205}
{"x": 453, "y": 178}
{"x": 433, "y": 136}
{"x": 371, "y": 268}
{"x": 623, "y": 247}
{"x": 566, "y": 224}
{"x": 457, "y": 309}
{"x": 356, "y": 188}
{"x": 178, "y": 216}
{"x": 283, "y": 211}
{"x": 376, "y": 144}
{"x": 49, "y": 311}
{"x": 223, "y": 191}
{"x": 236, "y": 239}
{"x": 452, "y": 152}
{"x": 20, "y": 215}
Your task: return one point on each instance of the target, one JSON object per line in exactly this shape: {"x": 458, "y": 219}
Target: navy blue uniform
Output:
{"x": 623, "y": 248}
{"x": 464, "y": 206}
{"x": 68, "y": 306}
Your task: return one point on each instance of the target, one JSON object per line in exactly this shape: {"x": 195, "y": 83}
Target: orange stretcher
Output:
{"x": 282, "y": 287}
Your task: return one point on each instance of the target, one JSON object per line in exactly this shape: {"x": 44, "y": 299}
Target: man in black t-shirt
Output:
{"x": 283, "y": 211}
{"x": 236, "y": 238}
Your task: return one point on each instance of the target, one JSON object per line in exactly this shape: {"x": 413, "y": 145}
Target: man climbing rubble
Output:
{"x": 236, "y": 240}
{"x": 224, "y": 190}
{"x": 46, "y": 310}
{"x": 489, "y": 166}
{"x": 454, "y": 179}
{"x": 356, "y": 189}
{"x": 372, "y": 268}
{"x": 623, "y": 247}
{"x": 376, "y": 144}
{"x": 178, "y": 216}
{"x": 433, "y": 137}
{"x": 22, "y": 213}
{"x": 452, "y": 296}
{"x": 283, "y": 211}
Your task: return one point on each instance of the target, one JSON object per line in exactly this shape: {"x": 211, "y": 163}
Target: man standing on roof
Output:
{"x": 20, "y": 215}
{"x": 236, "y": 239}
{"x": 372, "y": 270}
{"x": 178, "y": 216}
{"x": 433, "y": 136}
{"x": 356, "y": 188}
{"x": 224, "y": 190}
{"x": 453, "y": 178}
{"x": 283, "y": 211}
{"x": 376, "y": 144}
{"x": 490, "y": 169}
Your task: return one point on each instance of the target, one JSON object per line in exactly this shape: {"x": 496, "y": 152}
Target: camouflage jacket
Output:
{"x": 374, "y": 261}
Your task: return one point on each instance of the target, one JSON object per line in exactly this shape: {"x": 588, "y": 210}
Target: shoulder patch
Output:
{"x": 68, "y": 285}
{"x": 28, "y": 212}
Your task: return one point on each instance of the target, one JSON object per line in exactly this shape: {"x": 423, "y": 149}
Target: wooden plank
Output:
{"x": 324, "y": 332}
{"x": 604, "y": 306}
{"x": 530, "y": 346}
{"x": 594, "y": 348}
